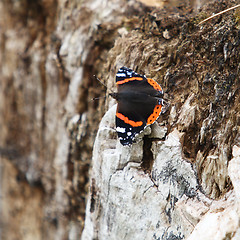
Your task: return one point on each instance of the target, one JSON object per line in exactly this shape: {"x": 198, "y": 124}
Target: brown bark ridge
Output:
{"x": 168, "y": 185}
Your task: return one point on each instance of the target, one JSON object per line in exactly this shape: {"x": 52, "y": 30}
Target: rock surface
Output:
{"x": 129, "y": 203}
{"x": 174, "y": 180}
{"x": 180, "y": 185}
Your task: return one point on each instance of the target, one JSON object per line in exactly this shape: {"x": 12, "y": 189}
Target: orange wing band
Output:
{"x": 154, "y": 84}
{"x": 129, "y": 79}
{"x": 128, "y": 121}
{"x": 154, "y": 116}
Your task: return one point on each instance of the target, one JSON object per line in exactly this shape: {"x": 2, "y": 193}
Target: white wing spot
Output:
{"x": 121, "y": 130}
{"x": 129, "y": 133}
{"x": 129, "y": 73}
{"x": 121, "y": 75}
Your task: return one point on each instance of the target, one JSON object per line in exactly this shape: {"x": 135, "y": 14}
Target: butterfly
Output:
{"x": 139, "y": 103}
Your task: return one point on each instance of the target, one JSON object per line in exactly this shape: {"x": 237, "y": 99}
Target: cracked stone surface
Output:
{"x": 119, "y": 184}
{"x": 179, "y": 176}
{"x": 126, "y": 202}
{"x": 222, "y": 217}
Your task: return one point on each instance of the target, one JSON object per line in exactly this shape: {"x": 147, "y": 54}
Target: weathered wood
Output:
{"x": 171, "y": 183}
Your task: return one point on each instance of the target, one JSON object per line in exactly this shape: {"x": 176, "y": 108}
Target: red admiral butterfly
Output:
{"x": 139, "y": 103}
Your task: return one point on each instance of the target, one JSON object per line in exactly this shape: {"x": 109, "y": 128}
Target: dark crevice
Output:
{"x": 93, "y": 196}
{"x": 147, "y": 160}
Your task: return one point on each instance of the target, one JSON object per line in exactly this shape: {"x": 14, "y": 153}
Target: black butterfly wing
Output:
{"x": 139, "y": 104}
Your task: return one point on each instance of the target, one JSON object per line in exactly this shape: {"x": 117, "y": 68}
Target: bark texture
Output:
{"x": 176, "y": 183}
{"x": 179, "y": 182}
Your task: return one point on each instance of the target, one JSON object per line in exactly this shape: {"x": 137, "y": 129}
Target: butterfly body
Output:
{"x": 139, "y": 104}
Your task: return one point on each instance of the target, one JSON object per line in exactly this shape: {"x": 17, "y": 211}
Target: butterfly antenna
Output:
{"x": 103, "y": 85}
{"x": 97, "y": 98}
{"x": 100, "y": 81}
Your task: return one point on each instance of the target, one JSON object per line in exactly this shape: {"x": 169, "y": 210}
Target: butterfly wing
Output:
{"x": 139, "y": 104}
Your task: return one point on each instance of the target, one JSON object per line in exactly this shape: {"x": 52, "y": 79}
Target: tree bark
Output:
{"x": 168, "y": 185}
